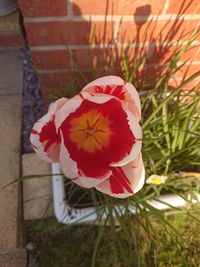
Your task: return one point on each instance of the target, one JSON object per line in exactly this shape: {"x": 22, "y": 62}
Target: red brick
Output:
{"x": 194, "y": 68}
{"x": 60, "y": 59}
{"x": 163, "y": 53}
{"x": 97, "y": 57}
{"x": 11, "y": 40}
{"x": 43, "y": 8}
{"x": 151, "y": 72}
{"x": 68, "y": 32}
{"x": 159, "y": 31}
{"x": 147, "y": 74}
{"x": 85, "y": 58}
{"x": 175, "y": 82}
{"x": 53, "y": 82}
{"x": 56, "y": 59}
{"x": 184, "y": 7}
{"x": 118, "y": 7}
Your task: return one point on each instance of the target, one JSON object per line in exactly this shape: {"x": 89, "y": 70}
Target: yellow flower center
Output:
{"x": 91, "y": 131}
{"x": 156, "y": 180}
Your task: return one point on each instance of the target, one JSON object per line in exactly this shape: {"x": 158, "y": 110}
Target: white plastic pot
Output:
{"x": 7, "y": 7}
{"x": 65, "y": 214}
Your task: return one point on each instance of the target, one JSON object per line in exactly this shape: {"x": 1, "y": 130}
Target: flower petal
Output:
{"x": 135, "y": 172}
{"x": 96, "y": 98}
{"x": 117, "y": 87}
{"x": 69, "y": 107}
{"x": 70, "y": 169}
{"x": 54, "y": 107}
{"x": 68, "y": 165}
{"x": 38, "y": 147}
{"x": 124, "y": 181}
{"x": 117, "y": 185}
{"x": 97, "y": 135}
{"x": 44, "y": 137}
{"x": 106, "y": 80}
{"x": 133, "y": 100}
{"x": 136, "y": 147}
{"x": 89, "y": 182}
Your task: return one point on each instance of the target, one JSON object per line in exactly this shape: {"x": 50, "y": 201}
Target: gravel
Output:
{"x": 32, "y": 103}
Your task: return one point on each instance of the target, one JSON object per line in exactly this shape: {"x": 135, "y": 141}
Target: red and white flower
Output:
{"x": 44, "y": 138}
{"x": 96, "y": 137}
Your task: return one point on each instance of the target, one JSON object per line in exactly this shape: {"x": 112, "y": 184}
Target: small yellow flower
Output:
{"x": 156, "y": 179}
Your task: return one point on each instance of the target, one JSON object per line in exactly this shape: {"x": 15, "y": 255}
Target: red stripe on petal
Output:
{"x": 48, "y": 135}
{"x": 81, "y": 95}
{"x": 114, "y": 90}
{"x": 116, "y": 188}
{"x": 119, "y": 182}
{"x": 34, "y": 132}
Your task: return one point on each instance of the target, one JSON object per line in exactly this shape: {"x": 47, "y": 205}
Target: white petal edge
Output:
{"x": 69, "y": 107}
{"x": 39, "y": 124}
{"x": 97, "y": 97}
{"x": 38, "y": 148}
{"x": 89, "y": 182}
{"x": 68, "y": 165}
{"x": 106, "y": 80}
{"x": 55, "y": 106}
{"x": 35, "y": 138}
{"x": 135, "y": 98}
{"x": 135, "y": 175}
{"x": 105, "y": 188}
{"x": 140, "y": 184}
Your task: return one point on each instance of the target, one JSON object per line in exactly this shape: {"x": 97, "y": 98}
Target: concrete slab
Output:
{"x": 16, "y": 258}
{"x": 10, "y": 143}
{"x": 11, "y": 74}
{"x": 37, "y": 192}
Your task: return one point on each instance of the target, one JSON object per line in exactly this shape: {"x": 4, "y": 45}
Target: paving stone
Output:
{"x": 16, "y": 258}
{"x": 10, "y": 143}
{"x": 37, "y": 192}
{"x": 11, "y": 74}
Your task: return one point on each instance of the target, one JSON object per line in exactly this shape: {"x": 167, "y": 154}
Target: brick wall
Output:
{"x": 53, "y": 27}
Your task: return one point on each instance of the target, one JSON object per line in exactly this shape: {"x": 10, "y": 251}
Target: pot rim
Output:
{"x": 65, "y": 214}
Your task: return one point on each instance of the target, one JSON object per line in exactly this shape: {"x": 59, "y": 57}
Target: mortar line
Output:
{"x": 100, "y": 46}
{"x": 41, "y": 71}
{"x": 101, "y": 18}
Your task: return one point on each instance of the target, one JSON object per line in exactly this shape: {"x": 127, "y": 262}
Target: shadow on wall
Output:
{"x": 164, "y": 44}
{"x": 150, "y": 43}
{"x": 146, "y": 43}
